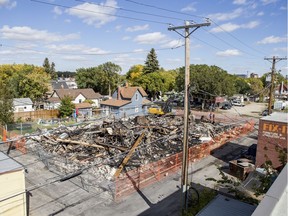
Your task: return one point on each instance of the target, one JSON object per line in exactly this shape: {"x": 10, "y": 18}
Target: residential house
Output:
{"x": 281, "y": 90}
{"x": 77, "y": 95}
{"x": 22, "y": 105}
{"x": 126, "y": 101}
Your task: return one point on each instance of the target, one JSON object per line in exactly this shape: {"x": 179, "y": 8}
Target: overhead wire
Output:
{"x": 203, "y": 17}
{"x": 107, "y": 14}
{"x": 129, "y": 10}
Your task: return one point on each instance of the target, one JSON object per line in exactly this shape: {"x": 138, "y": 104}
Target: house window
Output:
{"x": 25, "y": 107}
{"x": 136, "y": 109}
{"x": 80, "y": 101}
{"x": 136, "y": 97}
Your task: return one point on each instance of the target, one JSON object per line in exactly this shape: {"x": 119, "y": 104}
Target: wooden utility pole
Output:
{"x": 185, "y": 160}
{"x": 273, "y": 60}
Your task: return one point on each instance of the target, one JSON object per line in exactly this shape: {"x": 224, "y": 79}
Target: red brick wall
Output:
{"x": 270, "y": 135}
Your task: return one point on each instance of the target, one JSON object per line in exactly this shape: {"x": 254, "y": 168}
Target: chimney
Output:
{"x": 118, "y": 93}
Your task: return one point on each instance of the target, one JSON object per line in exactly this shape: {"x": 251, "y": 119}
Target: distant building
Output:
{"x": 253, "y": 75}
{"x": 13, "y": 191}
{"x": 241, "y": 75}
{"x": 22, "y": 105}
{"x": 126, "y": 101}
{"x": 272, "y": 137}
{"x": 77, "y": 96}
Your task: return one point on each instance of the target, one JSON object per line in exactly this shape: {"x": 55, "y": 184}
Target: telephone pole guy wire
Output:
{"x": 185, "y": 160}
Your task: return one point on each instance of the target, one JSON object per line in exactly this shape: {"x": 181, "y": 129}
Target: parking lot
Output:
{"x": 251, "y": 109}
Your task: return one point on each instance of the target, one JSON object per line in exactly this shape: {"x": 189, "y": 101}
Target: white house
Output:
{"x": 22, "y": 105}
{"x": 77, "y": 96}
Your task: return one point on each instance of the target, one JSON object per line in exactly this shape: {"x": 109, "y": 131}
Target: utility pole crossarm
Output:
{"x": 188, "y": 26}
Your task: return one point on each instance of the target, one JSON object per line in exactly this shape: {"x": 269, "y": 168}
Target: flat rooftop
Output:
{"x": 277, "y": 117}
{"x": 224, "y": 206}
{"x": 7, "y": 164}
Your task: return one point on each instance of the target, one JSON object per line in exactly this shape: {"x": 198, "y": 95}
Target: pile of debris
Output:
{"x": 108, "y": 142}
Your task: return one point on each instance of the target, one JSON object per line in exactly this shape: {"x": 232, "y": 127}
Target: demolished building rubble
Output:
{"x": 98, "y": 148}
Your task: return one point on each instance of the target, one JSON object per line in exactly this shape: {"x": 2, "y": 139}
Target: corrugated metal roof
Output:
{"x": 277, "y": 117}
{"x": 22, "y": 102}
{"x": 224, "y": 206}
{"x": 7, "y": 164}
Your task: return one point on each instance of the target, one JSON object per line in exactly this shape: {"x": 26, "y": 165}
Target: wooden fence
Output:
{"x": 34, "y": 115}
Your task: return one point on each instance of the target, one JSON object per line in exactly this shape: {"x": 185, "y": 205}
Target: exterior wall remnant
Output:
{"x": 272, "y": 138}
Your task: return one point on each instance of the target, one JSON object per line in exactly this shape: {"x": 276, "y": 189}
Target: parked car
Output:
{"x": 238, "y": 103}
{"x": 226, "y": 106}
{"x": 265, "y": 112}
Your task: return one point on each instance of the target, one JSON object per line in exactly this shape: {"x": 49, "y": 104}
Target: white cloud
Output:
{"x": 126, "y": 38}
{"x": 96, "y": 15}
{"x": 138, "y": 50}
{"x": 67, "y": 21}
{"x": 173, "y": 44}
{"x": 74, "y": 58}
{"x": 284, "y": 49}
{"x": 266, "y": 2}
{"x": 189, "y": 8}
{"x": 261, "y": 13}
{"x": 226, "y": 16}
{"x": 283, "y": 8}
{"x": 272, "y": 39}
{"x": 57, "y": 10}
{"x": 151, "y": 38}
{"x": 29, "y": 34}
{"x": 239, "y": 2}
{"x": 137, "y": 28}
{"x": 229, "y": 52}
{"x": 8, "y": 4}
{"x": 118, "y": 27}
{"x": 229, "y": 27}
{"x": 76, "y": 48}
{"x": 174, "y": 60}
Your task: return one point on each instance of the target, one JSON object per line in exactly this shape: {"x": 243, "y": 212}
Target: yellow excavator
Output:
{"x": 161, "y": 107}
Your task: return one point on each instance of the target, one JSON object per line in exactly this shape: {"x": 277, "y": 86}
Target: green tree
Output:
{"x": 6, "y": 104}
{"x": 151, "y": 63}
{"x": 50, "y": 68}
{"x": 256, "y": 86}
{"x": 25, "y": 80}
{"x": 46, "y": 65}
{"x": 134, "y": 72}
{"x": 156, "y": 82}
{"x": 102, "y": 78}
{"x": 66, "y": 107}
{"x": 208, "y": 81}
{"x": 242, "y": 87}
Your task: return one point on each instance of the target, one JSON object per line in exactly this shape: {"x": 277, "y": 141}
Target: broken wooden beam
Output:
{"x": 126, "y": 159}
{"x": 80, "y": 143}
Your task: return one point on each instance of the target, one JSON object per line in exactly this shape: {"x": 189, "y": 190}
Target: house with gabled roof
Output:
{"x": 22, "y": 105}
{"x": 77, "y": 96}
{"x": 126, "y": 101}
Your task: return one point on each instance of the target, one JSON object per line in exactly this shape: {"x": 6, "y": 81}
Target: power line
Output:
{"x": 191, "y": 15}
{"x": 107, "y": 14}
{"x": 237, "y": 38}
{"x": 164, "y": 9}
{"x": 129, "y": 10}
{"x": 92, "y": 54}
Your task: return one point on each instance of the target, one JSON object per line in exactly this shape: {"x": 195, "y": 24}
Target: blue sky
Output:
{"x": 78, "y": 33}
